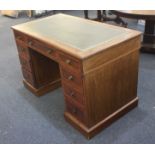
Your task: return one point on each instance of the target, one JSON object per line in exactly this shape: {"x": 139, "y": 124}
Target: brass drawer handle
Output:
{"x": 70, "y": 77}
{"x": 68, "y": 61}
{"x": 49, "y": 51}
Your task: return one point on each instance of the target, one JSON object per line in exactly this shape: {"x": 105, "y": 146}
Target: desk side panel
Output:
{"x": 112, "y": 85}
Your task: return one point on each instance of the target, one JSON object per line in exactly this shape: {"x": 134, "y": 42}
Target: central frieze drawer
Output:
{"x": 43, "y": 48}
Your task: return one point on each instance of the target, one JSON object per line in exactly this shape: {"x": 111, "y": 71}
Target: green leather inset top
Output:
{"x": 74, "y": 32}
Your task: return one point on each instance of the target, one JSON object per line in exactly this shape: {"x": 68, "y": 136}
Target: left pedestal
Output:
{"x": 41, "y": 74}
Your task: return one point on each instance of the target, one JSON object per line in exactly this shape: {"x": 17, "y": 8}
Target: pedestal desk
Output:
{"x": 95, "y": 63}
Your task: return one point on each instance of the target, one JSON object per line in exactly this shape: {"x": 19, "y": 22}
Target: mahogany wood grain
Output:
{"x": 44, "y": 89}
{"x": 23, "y": 51}
{"x": 45, "y": 69}
{"x": 73, "y": 93}
{"x": 110, "y": 88}
{"x": 90, "y": 132}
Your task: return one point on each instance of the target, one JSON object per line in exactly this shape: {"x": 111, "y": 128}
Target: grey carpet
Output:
{"x": 25, "y": 118}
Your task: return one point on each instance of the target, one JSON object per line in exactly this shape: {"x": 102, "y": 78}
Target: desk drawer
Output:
{"x": 43, "y": 48}
{"x": 28, "y": 76}
{"x": 23, "y": 51}
{"x": 71, "y": 78}
{"x": 26, "y": 63}
{"x": 75, "y": 111}
{"x": 20, "y": 37}
{"x": 70, "y": 62}
{"x": 73, "y": 94}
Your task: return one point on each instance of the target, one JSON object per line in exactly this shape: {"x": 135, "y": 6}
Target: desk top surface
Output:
{"x": 78, "y": 36}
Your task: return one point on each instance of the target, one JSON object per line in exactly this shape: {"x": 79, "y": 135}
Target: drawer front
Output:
{"x": 70, "y": 62}
{"x": 23, "y": 52}
{"x": 43, "y": 48}
{"x": 26, "y": 63}
{"x": 20, "y": 37}
{"x": 73, "y": 94}
{"x": 71, "y": 78}
{"x": 75, "y": 111}
{"x": 28, "y": 76}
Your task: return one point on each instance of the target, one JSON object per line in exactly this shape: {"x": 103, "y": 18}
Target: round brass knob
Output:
{"x": 68, "y": 61}
{"x": 49, "y": 51}
{"x": 70, "y": 77}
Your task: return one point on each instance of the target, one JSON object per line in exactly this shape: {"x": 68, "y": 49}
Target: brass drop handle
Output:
{"x": 49, "y": 51}
{"x": 30, "y": 43}
{"x": 68, "y": 61}
{"x": 70, "y": 77}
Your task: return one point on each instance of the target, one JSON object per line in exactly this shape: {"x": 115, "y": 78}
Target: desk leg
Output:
{"x": 148, "y": 44}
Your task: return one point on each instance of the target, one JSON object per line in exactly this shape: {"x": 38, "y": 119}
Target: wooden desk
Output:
{"x": 96, "y": 63}
{"x": 148, "y": 44}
